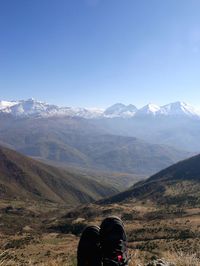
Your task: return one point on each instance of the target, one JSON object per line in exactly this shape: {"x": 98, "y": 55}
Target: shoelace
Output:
{"x": 118, "y": 249}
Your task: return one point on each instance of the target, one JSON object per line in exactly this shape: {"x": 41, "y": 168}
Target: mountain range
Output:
{"x": 120, "y": 139}
{"x": 35, "y": 108}
{"x": 77, "y": 142}
{"x": 32, "y": 107}
{"x": 176, "y": 125}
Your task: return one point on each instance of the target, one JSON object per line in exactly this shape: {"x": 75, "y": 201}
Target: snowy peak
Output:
{"x": 31, "y": 107}
{"x": 120, "y": 110}
{"x": 149, "y": 109}
{"x": 28, "y": 107}
{"x": 171, "y": 109}
{"x": 6, "y": 104}
{"x": 179, "y": 108}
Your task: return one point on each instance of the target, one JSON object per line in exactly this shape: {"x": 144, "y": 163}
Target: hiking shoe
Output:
{"x": 113, "y": 242}
{"x": 88, "y": 253}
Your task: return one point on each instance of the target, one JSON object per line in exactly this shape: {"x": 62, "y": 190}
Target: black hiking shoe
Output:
{"x": 113, "y": 242}
{"x": 88, "y": 253}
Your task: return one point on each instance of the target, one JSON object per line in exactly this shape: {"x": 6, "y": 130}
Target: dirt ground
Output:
{"x": 48, "y": 234}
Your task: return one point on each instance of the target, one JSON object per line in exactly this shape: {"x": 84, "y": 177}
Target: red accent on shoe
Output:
{"x": 119, "y": 257}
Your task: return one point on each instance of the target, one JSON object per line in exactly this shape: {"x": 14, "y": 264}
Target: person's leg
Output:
{"x": 88, "y": 253}
{"x": 113, "y": 242}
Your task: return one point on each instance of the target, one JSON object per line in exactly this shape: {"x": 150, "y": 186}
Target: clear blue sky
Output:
{"x": 98, "y": 52}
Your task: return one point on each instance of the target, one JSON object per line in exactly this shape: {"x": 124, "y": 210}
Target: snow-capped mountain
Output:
{"x": 179, "y": 108}
{"x": 149, "y": 109}
{"x": 27, "y": 108}
{"x": 171, "y": 109}
{"x": 32, "y": 107}
{"x": 120, "y": 110}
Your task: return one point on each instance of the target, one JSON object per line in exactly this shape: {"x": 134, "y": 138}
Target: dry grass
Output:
{"x": 6, "y": 261}
{"x": 180, "y": 258}
{"x": 151, "y": 231}
{"x": 176, "y": 259}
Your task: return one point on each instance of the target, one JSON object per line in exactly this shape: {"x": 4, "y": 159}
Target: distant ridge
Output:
{"x": 32, "y": 107}
{"x": 26, "y": 179}
{"x": 109, "y": 140}
{"x": 77, "y": 142}
{"x": 178, "y": 184}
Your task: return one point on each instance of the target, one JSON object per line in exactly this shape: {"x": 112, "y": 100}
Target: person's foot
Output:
{"x": 113, "y": 242}
{"x": 88, "y": 253}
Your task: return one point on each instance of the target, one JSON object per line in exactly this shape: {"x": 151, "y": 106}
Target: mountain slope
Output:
{"x": 181, "y": 133}
{"x": 77, "y": 142}
{"x": 178, "y": 184}
{"x": 27, "y": 179}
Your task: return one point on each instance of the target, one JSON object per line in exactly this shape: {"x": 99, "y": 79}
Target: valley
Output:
{"x": 99, "y": 117}
{"x": 78, "y": 142}
{"x": 158, "y": 224}
{"x": 60, "y": 173}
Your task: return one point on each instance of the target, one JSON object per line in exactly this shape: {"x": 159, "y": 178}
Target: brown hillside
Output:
{"x": 178, "y": 184}
{"x": 25, "y": 178}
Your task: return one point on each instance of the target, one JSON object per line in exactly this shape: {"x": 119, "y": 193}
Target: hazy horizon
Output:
{"x": 99, "y": 107}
